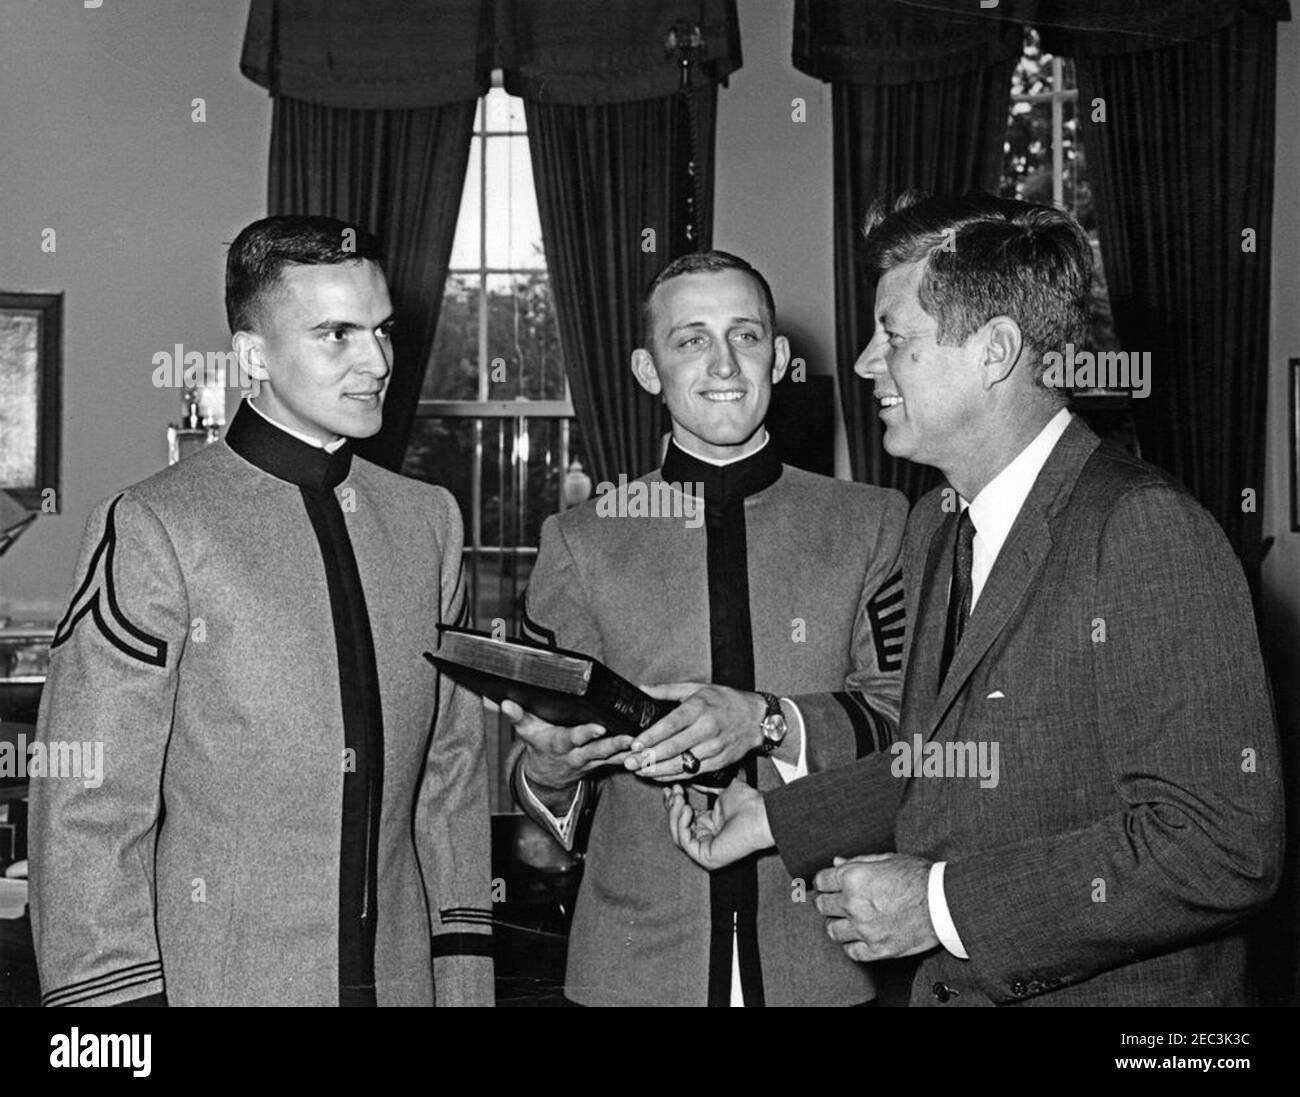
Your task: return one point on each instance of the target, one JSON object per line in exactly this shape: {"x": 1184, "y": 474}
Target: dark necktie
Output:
{"x": 959, "y": 593}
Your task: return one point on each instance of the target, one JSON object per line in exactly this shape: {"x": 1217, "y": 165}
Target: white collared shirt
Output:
{"x": 726, "y": 460}
{"x": 995, "y": 509}
{"x": 993, "y": 512}
{"x": 328, "y": 447}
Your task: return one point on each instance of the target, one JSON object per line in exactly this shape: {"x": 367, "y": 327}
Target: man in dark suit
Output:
{"x": 1084, "y": 802}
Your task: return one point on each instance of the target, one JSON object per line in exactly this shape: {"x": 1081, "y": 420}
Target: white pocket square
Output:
{"x": 996, "y": 695}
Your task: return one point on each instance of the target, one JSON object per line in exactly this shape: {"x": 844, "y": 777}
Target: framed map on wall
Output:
{"x": 31, "y": 362}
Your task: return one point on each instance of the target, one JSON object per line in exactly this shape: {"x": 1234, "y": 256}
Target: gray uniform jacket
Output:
{"x": 825, "y": 605}
{"x": 220, "y": 861}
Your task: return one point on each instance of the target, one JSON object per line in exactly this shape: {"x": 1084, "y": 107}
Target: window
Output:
{"x": 1044, "y": 162}
{"x": 495, "y": 422}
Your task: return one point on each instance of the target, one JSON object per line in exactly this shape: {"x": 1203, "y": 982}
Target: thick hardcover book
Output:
{"x": 562, "y": 687}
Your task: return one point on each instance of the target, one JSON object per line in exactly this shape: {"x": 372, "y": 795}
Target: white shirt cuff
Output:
{"x": 940, "y": 918}
{"x": 785, "y": 770}
{"x": 563, "y": 827}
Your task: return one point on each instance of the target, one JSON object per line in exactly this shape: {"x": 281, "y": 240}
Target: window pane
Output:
{"x": 523, "y": 339}
{"x": 544, "y": 481}
{"x": 1027, "y": 159}
{"x": 465, "y": 246}
{"x": 494, "y": 510}
{"x": 514, "y": 231}
{"x": 525, "y": 464}
{"x": 454, "y": 365}
{"x": 442, "y": 452}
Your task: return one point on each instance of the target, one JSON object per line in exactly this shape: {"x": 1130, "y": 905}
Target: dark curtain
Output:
{"x": 398, "y": 173}
{"x": 920, "y": 101}
{"x": 945, "y": 137}
{"x": 370, "y": 54}
{"x": 1181, "y": 166}
{"x": 606, "y": 174}
{"x": 610, "y": 51}
{"x": 619, "y": 149}
{"x": 1089, "y": 28}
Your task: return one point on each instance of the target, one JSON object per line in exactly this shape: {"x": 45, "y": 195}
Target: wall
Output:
{"x": 1281, "y": 616}
{"x": 1282, "y": 566}
{"x": 773, "y": 185}
{"x": 98, "y": 144}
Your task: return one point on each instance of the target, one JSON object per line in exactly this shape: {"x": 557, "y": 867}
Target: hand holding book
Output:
{"x": 568, "y": 694}
{"x": 717, "y": 725}
{"x": 559, "y": 757}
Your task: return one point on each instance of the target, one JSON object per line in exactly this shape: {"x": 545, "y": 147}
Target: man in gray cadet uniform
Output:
{"x": 244, "y": 637}
{"x": 784, "y": 596}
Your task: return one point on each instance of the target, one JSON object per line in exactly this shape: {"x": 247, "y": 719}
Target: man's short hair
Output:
{"x": 703, "y": 262}
{"x": 263, "y": 249}
{"x": 990, "y": 257}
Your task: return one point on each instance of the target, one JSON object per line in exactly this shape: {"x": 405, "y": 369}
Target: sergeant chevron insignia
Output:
{"x": 888, "y": 616}
{"x": 97, "y": 597}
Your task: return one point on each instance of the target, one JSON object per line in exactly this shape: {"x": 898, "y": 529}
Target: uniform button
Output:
{"x": 1019, "y": 989}
{"x": 941, "y": 991}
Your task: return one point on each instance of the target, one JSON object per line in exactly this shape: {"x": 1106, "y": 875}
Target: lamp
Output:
{"x": 577, "y": 485}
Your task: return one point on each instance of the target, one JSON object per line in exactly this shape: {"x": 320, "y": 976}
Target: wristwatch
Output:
{"x": 773, "y": 725}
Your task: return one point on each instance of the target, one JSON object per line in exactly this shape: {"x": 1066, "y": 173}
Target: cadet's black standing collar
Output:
{"x": 261, "y": 443}
{"x": 724, "y": 485}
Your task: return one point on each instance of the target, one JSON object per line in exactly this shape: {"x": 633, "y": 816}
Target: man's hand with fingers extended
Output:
{"x": 734, "y": 827}
{"x": 717, "y": 724}
{"x": 557, "y": 758}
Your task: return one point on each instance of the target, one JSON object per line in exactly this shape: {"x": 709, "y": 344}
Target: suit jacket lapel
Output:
{"x": 1017, "y": 566}
{"x": 929, "y": 615}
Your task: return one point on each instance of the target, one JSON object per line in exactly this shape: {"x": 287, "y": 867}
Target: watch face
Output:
{"x": 774, "y": 728}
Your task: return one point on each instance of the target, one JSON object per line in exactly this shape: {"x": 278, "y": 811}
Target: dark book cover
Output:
{"x": 562, "y": 687}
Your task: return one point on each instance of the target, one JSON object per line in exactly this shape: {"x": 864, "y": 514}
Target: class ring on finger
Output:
{"x": 690, "y": 764}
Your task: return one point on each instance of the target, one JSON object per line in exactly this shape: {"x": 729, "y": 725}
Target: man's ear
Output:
{"x": 1003, "y": 343}
{"x": 781, "y": 360}
{"x": 250, "y": 353}
{"x": 643, "y": 369}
